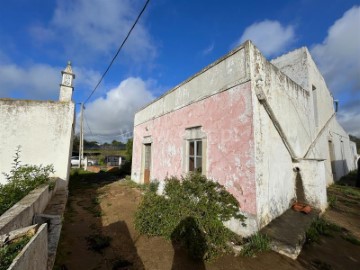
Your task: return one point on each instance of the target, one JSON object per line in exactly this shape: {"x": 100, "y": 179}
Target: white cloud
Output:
{"x": 39, "y": 81}
{"x": 338, "y": 58}
{"x": 270, "y": 37}
{"x": 112, "y": 115}
{"x": 350, "y": 120}
{"x": 97, "y": 26}
{"x": 208, "y": 49}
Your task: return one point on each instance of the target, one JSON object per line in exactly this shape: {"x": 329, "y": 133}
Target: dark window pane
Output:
{"x": 198, "y": 162}
{"x": 191, "y": 164}
{"x": 199, "y": 148}
{"x": 191, "y": 148}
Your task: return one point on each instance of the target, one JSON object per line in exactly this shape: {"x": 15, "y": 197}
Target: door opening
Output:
{"x": 147, "y": 163}
{"x": 332, "y": 158}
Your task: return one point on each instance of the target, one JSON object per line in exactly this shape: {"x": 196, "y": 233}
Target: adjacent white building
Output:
{"x": 43, "y": 130}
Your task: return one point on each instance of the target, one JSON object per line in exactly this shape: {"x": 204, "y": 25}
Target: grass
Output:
{"x": 320, "y": 227}
{"x": 152, "y": 186}
{"x": 352, "y": 239}
{"x": 255, "y": 244}
{"x": 332, "y": 200}
{"x": 9, "y": 252}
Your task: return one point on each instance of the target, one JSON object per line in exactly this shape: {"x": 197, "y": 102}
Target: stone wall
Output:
{"x": 34, "y": 255}
{"x": 22, "y": 213}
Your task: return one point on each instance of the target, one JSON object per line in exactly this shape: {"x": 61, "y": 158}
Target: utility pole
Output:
{"x": 81, "y": 147}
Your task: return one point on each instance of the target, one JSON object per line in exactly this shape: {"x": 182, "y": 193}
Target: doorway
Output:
{"x": 332, "y": 158}
{"x": 147, "y": 163}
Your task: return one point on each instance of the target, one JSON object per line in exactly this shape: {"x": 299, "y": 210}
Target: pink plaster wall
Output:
{"x": 227, "y": 120}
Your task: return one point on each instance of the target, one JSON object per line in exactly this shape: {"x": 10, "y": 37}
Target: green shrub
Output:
{"x": 190, "y": 212}
{"x": 21, "y": 180}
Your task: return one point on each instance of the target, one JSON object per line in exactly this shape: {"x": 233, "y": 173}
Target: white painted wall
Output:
{"x": 274, "y": 175}
{"x": 307, "y": 124}
{"x": 300, "y": 67}
{"x": 221, "y": 75}
{"x": 43, "y": 129}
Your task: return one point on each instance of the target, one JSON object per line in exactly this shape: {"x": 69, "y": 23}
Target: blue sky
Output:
{"x": 173, "y": 40}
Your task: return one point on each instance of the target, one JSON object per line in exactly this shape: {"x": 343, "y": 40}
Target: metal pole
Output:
{"x": 81, "y": 147}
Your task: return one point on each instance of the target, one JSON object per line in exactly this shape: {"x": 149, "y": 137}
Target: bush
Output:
{"x": 21, "y": 180}
{"x": 191, "y": 212}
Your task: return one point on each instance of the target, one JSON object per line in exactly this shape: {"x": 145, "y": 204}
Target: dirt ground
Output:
{"x": 101, "y": 204}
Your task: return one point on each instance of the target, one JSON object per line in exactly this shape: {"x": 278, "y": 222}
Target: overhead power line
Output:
{"x": 118, "y": 51}
{"x": 87, "y": 124}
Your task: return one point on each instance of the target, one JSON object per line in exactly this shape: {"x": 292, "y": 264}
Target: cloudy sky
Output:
{"x": 173, "y": 40}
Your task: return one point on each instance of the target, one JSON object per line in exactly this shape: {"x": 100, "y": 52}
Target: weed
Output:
{"x": 350, "y": 238}
{"x": 52, "y": 184}
{"x": 9, "y": 252}
{"x": 352, "y": 192}
{"x": 95, "y": 201}
{"x": 98, "y": 242}
{"x": 98, "y": 213}
{"x": 332, "y": 201}
{"x": 320, "y": 227}
{"x": 130, "y": 183}
{"x": 256, "y": 243}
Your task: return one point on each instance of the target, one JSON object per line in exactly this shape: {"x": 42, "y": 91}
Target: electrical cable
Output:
{"x": 118, "y": 51}
{"x": 87, "y": 124}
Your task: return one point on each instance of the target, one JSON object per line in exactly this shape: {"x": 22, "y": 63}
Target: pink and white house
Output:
{"x": 253, "y": 126}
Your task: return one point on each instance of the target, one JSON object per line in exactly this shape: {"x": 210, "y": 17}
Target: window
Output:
{"x": 195, "y": 156}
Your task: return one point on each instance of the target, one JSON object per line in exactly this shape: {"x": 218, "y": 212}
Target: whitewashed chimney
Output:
{"x": 66, "y": 86}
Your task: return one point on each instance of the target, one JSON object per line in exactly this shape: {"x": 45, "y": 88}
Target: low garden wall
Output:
{"x": 22, "y": 213}
{"x": 34, "y": 256}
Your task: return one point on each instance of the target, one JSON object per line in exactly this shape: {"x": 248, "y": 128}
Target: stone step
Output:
{"x": 57, "y": 203}
{"x": 288, "y": 232}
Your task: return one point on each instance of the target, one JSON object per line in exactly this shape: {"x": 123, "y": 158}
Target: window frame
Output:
{"x": 197, "y": 156}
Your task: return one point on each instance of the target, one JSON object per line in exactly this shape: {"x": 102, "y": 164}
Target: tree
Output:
{"x": 76, "y": 143}
{"x": 129, "y": 148}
